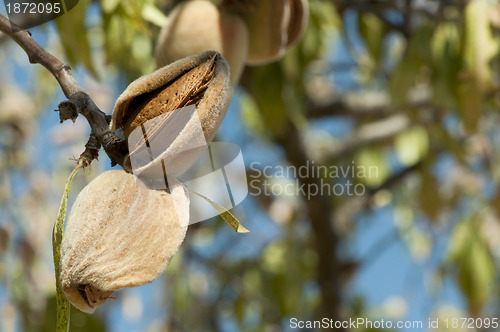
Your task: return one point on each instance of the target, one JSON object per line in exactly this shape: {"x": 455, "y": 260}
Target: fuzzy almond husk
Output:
{"x": 119, "y": 234}
{"x": 197, "y": 26}
{"x": 200, "y": 80}
{"x": 267, "y": 22}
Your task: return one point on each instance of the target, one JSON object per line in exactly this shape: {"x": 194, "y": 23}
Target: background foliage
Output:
{"x": 411, "y": 87}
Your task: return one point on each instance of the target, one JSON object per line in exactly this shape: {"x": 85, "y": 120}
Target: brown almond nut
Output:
{"x": 119, "y": 234}
{"x": 267, "y": 23}
{"x": 197, "y": 26}
{"x": 299, "y": 15}
{"x": 201, "y": 80}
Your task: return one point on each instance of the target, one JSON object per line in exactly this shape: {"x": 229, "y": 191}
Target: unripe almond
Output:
{"x": 119, "y": 234}
{"x": 197, "y": 26}
{"x": 273, "y": 27}
{"x": 200, "y": 80}
{"x": 267, "y": 23}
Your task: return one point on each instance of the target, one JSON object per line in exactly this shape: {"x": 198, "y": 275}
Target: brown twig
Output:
{"x": 79, "y": 102}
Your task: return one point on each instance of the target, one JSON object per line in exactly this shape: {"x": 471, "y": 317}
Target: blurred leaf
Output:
{"x": 239, "y": 308}
{"x": 429, "y": 197}
{"x": 250, "y": 115}
{"x": 447, "y": 57}
{"x": 267, "y": 89}
{"x": 479, "y": 48}
{"x": 414, "y": 60}
{"x": 109, "y": 6}
{"x": 323, "y": 21}
{"x": 412, "y": 145}
{"x": 152, "y": 14}
{"x": 127, "y": 32}
{"x": 476, "y": 272}
{"x": 372, "y": 30}
{"x": 419, "y": 243}
{"x": 73, "y": 33}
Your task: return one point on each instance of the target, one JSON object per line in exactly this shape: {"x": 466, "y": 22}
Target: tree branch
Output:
{"x": 79, "y": 102}
{"x": 367, "y": 134}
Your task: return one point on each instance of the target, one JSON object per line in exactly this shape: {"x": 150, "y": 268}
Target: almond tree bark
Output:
{"x": 79, "y": 102}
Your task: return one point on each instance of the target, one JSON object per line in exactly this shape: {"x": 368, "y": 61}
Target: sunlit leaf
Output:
{"x": 372, "y": 167}
{"x": 73, "y": 33}
{"x": 476, "y": 273}
{"x": 412, "y": 145}
{"x": 225, "y": 214}
{"x": 372, "y": 31}
{"x": 446, "y": 54}
{"x": 415, "y": 59}
{"x": 62, "y": 304}
{"x": 479, "y": 48}
{"x": 109, "y": 6}
{"x": 152, "y": 14}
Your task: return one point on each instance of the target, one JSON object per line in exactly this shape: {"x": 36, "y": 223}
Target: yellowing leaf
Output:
{"x": 109, "y": 6}
{"x": 152, "y": 14}
{"x": 479, "y": 49}
{"x": 412, "y": 145}
{"x": 371, "y": 166}
{"x": 476, "y": 272}
{"x": 480, "y": 46}
{"x": 74, "y": 39}
{"x": 225, "y": 214}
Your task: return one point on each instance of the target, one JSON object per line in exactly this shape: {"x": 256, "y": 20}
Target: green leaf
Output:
{"x": 225, "y": 214}
{"x": 479, "y": 48}
{"x": 152, "y": 14}
{"x": 412, "y": 145}
{"x": 74, "y": 39}
{"x": 109, "y": 6}
{"x": 429, "y": 196}
{"x": 250, "y": 115}
{"x": 372, "y": 167}
{"x": 476, "y": 271}
{"x": 62, "y": 319}
{"x": 412, "y": 65}
{"x": 372, "y": 31}
{"x": 447, "y": 64}
{"x": 268, "y": 82}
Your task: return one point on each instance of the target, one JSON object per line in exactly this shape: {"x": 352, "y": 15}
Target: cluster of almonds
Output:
{"x": 120, "y": 233}
{"x": 252, "y": 32}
